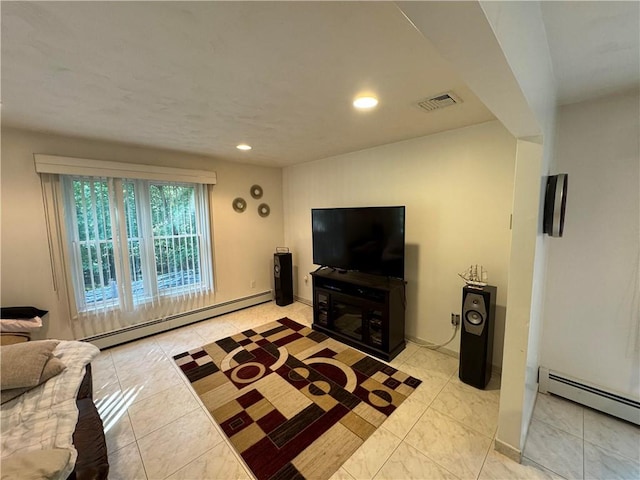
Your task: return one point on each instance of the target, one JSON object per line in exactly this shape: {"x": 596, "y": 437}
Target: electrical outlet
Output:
{"x": 252, "y": 284}
{"x": 455, "y": 319}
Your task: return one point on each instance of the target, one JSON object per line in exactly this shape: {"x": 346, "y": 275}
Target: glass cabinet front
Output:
{"x": 347, "y": 319}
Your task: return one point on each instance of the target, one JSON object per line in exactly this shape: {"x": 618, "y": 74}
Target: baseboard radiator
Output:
{"x": 153, "y": 327}
{"x": 592, "y": 396}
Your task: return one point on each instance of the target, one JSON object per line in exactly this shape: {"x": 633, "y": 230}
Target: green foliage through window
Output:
{"x": 161, "y": 251}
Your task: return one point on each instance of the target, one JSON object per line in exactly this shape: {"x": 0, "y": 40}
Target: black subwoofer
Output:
{"x": 283, "y": 278}
{"x": 476, "y": 335}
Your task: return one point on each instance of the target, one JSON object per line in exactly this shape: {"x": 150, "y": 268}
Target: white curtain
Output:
{"x": 127, "y": 251}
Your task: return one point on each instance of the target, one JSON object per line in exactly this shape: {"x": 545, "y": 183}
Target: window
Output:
{"x": 133, "y": 242}
{"x": 175, "y": 236}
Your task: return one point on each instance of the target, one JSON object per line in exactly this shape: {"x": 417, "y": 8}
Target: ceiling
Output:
{"x": 594, "y": 47}
{"x": 202, "y": 77}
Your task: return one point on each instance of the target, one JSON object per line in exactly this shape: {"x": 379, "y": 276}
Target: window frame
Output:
{"x": 126, "y": 300}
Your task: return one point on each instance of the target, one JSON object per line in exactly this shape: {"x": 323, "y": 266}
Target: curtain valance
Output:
{"x": 102, "y": 168}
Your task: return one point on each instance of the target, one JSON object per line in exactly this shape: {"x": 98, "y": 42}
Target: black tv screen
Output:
{"x": 365, "y": 239}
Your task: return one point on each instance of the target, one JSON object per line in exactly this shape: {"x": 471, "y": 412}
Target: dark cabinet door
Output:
{"x": 347, "y": 319}
{"x": 376, "y": 325}
{"x": 321, "y": 306}
{"x": 362, "y": 311}
{"x": 360, "y": 319}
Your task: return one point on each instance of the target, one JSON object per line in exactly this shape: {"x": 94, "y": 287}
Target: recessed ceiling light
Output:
{"x": 243, "y": 146}
{"x": 365, "y": 103}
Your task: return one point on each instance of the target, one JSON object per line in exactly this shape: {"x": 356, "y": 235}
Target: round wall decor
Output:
{"x": 239, "y": 204}
{"x": 555, "y": 204}
{"x": 264, "y": 210}
{"x": 256, "y": 191}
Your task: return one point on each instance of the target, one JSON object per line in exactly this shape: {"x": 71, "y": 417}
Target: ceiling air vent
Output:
{"x": 440, "y": 101}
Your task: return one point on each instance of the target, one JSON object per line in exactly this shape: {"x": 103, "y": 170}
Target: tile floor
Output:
{"x": 156, "y": 427}
{"x": 577, "y": 442}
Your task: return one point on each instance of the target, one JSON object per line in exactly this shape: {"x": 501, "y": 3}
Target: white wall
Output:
{"x": 519, "y": 319}
{"x": 474, "y": 45}
{"x": 592, "y": 325}
{"x": 520, "y": 31}
{"x": 500, "y": 50}
{"x": 243, "y": 243}
{"x": 457, "y": 187}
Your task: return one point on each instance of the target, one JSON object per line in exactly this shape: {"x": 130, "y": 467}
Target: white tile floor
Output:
{"x": 577, "y": 442}
{"x": 157, "y": 428}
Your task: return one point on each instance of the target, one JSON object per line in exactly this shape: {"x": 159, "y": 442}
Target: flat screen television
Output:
{"x": 363, "y": 239}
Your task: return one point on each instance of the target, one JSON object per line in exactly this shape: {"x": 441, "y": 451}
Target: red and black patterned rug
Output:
{"x": 294, "y": 403}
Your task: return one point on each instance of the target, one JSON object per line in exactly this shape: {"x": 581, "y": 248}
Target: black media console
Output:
{"x": 361, "y": 310}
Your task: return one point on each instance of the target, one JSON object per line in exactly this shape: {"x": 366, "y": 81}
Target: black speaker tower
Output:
{"x": 476, "y": 335}
{"x": 283, "y": 278}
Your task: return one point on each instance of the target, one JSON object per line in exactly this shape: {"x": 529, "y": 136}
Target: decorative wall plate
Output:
{"x": 239, "y": 204}
{"x": 555, "y": 204}
{"x": 264, "y": 210}
{"x": 256, "y": 191}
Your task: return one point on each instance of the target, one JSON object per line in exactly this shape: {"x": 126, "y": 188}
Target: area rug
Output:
{"x": 293, "y": 402}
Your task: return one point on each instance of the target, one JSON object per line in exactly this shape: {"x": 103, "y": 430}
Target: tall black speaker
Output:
{"x": 476, "y": 336}
{"x": 283, "y": 278}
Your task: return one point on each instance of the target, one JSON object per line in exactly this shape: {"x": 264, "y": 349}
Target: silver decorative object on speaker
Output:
{"x": 473, "y": 276}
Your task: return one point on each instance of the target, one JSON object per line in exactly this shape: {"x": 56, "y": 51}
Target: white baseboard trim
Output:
{"x": 495, "y": 369}
{"x": 421, "y": 342}
{"x": 142, "y": 330}
{"x": 508, "y": 451}
{"x": 303, "y": 300}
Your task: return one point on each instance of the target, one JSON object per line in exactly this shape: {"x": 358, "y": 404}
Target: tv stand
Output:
{"x": 361, "y": 310}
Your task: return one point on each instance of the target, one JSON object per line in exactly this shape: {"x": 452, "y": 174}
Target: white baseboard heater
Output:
{"x": 153, "y": 327}
{"x": 592, "y": 396}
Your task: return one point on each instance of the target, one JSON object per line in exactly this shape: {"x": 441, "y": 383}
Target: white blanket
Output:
{"x": 46, "y": 416}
